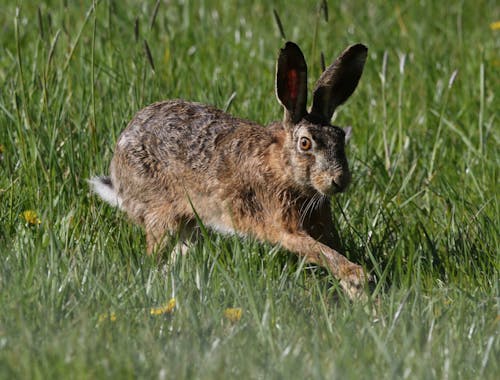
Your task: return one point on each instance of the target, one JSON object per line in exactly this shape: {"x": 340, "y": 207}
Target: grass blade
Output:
{"x": 324, "y": 7}
{"x": 279, "y": 24}
{"x": 136, "y": 29}
{"x": 153, "y": 16}
{"x": 89, "y": 12}
{"x": 40, "y": 23}
{"x": 149, "y": 56}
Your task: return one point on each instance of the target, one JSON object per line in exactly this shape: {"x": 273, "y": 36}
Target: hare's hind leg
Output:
{"x": 160, "y": 231}
{"x": 156, "y": 238}
{"x": 187, "y": 236}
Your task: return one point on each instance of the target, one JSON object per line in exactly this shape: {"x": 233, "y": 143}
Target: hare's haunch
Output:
{"x": 179, "y": 159}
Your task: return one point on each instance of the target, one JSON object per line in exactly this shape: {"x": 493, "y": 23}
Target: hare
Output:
{"x": 178, "y": 160}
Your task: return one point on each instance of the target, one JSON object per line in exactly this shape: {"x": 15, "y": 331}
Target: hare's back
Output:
{"x": 176, "y": 132}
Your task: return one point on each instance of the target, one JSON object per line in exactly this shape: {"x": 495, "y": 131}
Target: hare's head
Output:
{"x": 315, "y": 147}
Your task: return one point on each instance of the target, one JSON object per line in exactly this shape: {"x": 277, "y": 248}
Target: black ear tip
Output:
{"x": 292, "y": 53}
{"x": 358, "y": 49}
{"x": 291, "y": 46}
{"x": 356, "y": 54}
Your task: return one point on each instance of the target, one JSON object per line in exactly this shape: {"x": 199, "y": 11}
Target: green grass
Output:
{"x": 422, "y": 212}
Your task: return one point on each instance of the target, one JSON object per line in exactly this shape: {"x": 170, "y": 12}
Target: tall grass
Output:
{"x": 77, "y": 290}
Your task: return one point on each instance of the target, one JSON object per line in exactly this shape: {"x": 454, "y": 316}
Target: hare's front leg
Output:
{"x": 352, "y": 277}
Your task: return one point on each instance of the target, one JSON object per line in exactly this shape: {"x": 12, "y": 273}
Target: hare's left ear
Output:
{"x": 338, "y": 81}
{"x": 291, "y": 82}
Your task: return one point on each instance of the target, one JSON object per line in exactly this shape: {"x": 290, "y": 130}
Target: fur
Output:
{"x": 103, "y": 187}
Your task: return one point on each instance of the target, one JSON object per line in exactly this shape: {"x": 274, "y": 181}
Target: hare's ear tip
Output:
{"x": 359, "y": 48}
{"x": 290, "y": 45}
{"x": 358, "y": 52}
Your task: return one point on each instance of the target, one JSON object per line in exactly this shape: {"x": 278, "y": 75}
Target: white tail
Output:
{"x": 103, "y": 187}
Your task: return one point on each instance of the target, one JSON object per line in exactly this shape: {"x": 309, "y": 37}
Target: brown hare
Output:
{"x": 177, "y": 160}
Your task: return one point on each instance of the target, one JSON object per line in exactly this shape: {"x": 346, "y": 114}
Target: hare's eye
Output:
{"x": 305, "y": 143}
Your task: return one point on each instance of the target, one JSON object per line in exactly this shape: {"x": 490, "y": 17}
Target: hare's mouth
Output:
{"x": 336, "y": 188}
{"x": 327, "y": 189}
{"x": 328, "y": 186}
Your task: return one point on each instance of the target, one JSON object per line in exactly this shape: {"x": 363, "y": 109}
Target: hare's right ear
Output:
{"x": 291, "y": 82}
{"x": 338, "y": 81}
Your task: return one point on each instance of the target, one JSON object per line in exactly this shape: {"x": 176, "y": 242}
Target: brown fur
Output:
{"x": 178, "y": 158}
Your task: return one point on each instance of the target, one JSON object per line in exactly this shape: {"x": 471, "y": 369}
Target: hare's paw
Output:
{"x": 355, "y": 282}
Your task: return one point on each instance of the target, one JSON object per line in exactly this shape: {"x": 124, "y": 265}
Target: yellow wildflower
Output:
{"x": 31, "y": 217}
{"x": 233, "y": 314}
{"x": 168, "y": 308}
{"x": 107, "y": 317}
{"x": 495, "y": 25}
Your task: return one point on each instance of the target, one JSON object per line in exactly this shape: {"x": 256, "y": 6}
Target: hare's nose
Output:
{"x": 336, "y": 188}
{"x": 341, "y": 181}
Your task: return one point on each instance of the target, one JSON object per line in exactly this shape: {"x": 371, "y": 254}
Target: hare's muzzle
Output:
{"x": 340, "y": 181}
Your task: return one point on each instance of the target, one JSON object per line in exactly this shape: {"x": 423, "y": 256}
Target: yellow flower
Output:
{"x": 495, "y": 25}
{"x": 233, "y": 314}
{"x": 168, "y": 308}
{"x": 31, "y": 217}
{"x": 107, "y": 317}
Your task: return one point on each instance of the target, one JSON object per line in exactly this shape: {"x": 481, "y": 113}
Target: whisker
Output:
{"x": 304, "y": 210}
{"x": 312, "y": 203}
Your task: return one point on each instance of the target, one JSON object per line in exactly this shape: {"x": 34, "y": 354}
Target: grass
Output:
{"x": 422, "y": 212}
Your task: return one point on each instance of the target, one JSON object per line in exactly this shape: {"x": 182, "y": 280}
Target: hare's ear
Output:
{"x": 291, "y": 82}
{"x": 338, "y": 81}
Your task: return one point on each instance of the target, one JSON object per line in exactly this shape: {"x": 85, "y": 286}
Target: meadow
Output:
{"x": 80, "y": 299}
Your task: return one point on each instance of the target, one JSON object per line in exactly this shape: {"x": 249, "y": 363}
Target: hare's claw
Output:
{"x": 355, "y": 282}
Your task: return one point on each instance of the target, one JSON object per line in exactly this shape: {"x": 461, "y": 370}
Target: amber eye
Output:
{"x": 305, "y": 143}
